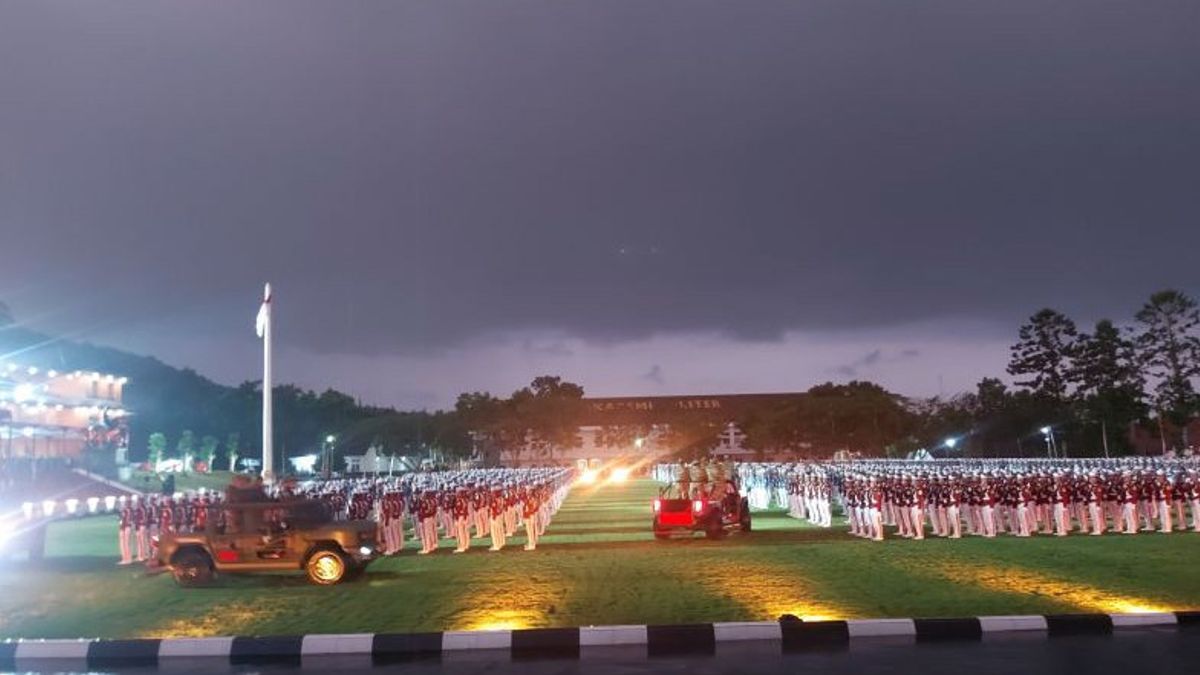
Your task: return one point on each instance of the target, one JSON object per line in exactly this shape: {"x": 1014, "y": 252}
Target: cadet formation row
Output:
{"x": 948, "y": 498}
{"x": 492, "y": 504}
{"x": 460, "y": 505}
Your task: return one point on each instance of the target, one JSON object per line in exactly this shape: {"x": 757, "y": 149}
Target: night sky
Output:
{"x": 645, "y": 197}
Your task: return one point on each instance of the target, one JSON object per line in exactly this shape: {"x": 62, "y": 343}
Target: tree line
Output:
{"x": 1088, "y": 392}
{"x": 1096, "y": 388}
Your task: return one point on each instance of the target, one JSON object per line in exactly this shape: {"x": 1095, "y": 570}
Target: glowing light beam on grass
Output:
{"x": 1076, "y": 594}
{"x": 504, "y": 620}
{"x": 767, "y": 593}
{"x": 510, "y": 599}
{"x": 220, "y": 620}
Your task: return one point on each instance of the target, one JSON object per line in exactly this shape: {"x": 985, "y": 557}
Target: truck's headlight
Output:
{"x": 365, "y": 551}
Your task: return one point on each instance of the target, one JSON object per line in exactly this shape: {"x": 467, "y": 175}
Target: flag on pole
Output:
{"x": 264, "y": 312}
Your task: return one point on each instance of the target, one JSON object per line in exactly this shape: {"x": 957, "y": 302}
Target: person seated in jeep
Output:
{"x": 244, "y": 489}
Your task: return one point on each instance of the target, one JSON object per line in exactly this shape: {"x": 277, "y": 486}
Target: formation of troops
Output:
{"x": 490, "y": 504}
{"x": 142, "y": 519}
{"x": 986, "y": 498}
{"x": 878, "y": 498}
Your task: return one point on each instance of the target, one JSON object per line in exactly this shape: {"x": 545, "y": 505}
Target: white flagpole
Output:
{"x": 264, "y": 327}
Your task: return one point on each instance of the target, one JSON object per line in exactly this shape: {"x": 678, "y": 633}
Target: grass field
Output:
{"x": 150, "y": 482}
{"x": 598, "y": 564}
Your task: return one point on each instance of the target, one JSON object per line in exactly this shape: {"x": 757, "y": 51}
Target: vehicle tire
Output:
{"x": 191, "y": 568}
{"x": 326, "y": 567}
{"x": 662, "y": 535}
{"x": 746, "y": 524}
{"x": 714, "y": 529}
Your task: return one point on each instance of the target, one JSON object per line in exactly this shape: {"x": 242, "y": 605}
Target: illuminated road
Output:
{"x": 1167, "y": 650}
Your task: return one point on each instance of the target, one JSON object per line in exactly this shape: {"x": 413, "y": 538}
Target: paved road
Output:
{"x": 1165, "y": 650}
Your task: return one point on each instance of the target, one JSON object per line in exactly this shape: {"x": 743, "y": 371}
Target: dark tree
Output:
{"x": 1108, "y": 382}
{"x": 1170, "y": 351}
{"x": 1042, "y": 354}
{"x": 550, "y": 410}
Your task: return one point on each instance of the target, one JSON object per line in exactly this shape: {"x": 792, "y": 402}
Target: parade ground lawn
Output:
{"x": 598, "y": 564}
{"x": 150, "y": 482}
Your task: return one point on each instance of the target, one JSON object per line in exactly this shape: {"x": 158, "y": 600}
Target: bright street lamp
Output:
{"x": 1051, "y": 446}
{"x": 951, "y": 442}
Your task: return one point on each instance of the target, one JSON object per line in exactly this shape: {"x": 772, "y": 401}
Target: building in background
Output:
{"x": 637, "y": 428}
{"x": 50, "y": 414}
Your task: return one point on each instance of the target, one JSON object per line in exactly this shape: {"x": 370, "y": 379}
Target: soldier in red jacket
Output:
{"x": 497, "y": 506}
{"x": 200, "y": 515}
{"x": 166, "y": 517}
{"x": 529, "y": 509}
{"x": 427, "y": 512}
{"x": 1129, "y": 502}
{"x": 124, "y": 531}
{"x": 1191, "y": 494}
{"x": 461, "y": 512}
{"x": 1060, "y": 498}
{"x": 1162, "y": 499}
{"x": 141, "y": 526}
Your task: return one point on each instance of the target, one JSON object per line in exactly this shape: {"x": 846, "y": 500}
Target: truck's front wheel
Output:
{"x": 326, "y": 567}
{"x": 192, "y": 568}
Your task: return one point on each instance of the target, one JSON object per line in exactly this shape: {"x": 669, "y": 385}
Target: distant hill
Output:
{"x": 170, "y": 400}
{"x": 162, "y": 397}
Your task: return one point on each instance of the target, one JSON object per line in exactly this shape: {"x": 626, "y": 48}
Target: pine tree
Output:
{"x": 1108, "y": 382}
{"x": 1170, "y": 351}
{"x": 1042, "y": 356}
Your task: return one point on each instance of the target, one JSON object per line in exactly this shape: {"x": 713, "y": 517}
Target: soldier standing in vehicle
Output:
{"x": 685, "y": 481}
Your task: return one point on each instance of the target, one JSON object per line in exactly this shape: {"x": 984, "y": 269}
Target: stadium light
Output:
{"x": 639, "y": 442}
{"x": 7, "y": 531}
{"x": 951, "y": 442}
{"x": 330, "y": 439}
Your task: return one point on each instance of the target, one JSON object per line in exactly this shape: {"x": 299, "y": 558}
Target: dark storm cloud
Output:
{"x": 871, "y": 359}
{"x": 655, "y": 375}
{"x": 413, "y": 175}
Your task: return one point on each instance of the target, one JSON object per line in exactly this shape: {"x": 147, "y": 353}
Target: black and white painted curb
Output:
{"x": 783, "y": 636}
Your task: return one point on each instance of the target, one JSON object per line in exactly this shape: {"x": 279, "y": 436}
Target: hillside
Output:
{"x": 171, "y": 400}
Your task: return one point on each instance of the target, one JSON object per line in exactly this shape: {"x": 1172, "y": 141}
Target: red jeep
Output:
{"x": 721, "y": 510}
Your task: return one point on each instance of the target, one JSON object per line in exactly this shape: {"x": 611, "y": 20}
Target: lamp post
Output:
{"x": 1051, "y": 446}
{"x": 327, "y": 455}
